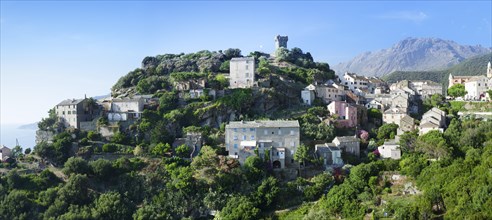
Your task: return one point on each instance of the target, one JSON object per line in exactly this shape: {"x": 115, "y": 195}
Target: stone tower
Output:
{"x": 489, "y": 70}
{"x": 281, "y": 41}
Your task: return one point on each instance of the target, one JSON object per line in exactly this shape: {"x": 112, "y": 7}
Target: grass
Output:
{"x": 471, "y": 106}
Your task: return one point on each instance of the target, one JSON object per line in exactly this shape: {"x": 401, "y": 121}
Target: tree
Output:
{"x": 102, "y": 168}
{"x": 239, "y": 208}
{"x": 457, "y": 90}
{"x": 109, "y": 148}
{"x": 433, "y": 144}
{"x": 387, "y": 131}
{"x": 183, "y": 150}
{"x": 301, "y": 155}
{"x": 17, "y": 152}
{"x": 75, "y": 165}
{"x": 160, "y": 149}
{"x": 112, "y": 205}
{"x": 27, "y": 151}
{"x": 17, "y": 205}
{"x": 266, "y": 194}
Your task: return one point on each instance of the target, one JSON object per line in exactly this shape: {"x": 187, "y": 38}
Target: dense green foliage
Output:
{"x": 457, "y": 90}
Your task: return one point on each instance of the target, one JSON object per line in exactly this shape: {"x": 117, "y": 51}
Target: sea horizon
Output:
{"x": 11, "y": 133}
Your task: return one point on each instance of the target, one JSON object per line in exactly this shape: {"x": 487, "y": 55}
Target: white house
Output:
{"x": 353, "y": 81}
{"x": 125, "y": 109}
{"x": 390, "y": 149}
{"x": 242, "y": 72}
{"x": 278, "y": 139}
{"x": 476, "y": 87}
{"x": 307, "y": 94}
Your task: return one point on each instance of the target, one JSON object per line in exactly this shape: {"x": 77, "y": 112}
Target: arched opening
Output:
{"x": 277, "y": 164}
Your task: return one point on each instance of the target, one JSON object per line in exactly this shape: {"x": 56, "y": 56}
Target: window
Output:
{"x": 235, "y": 129}
{"x": 292, "y": 144}
{"x": 69, "y": 112}
{"x": 252, "y": 129}
{"x": 235, "y": 137}
{"x": 265, "y": 132}
{"x": 279, "y": 131}
{"x": 63, "y": 112}
{"x": 252, "y": 137}
{"x": 244, "y": 129}
{"x": 292, "y": 132}
{"x": 247, "y": 74}
{"x": 262, "y": 144}
{"x": 74, "y": 112}
{"x": 244, "y": 137}
{"x": 246, "y": 68}
{"x": 235, "y": 146}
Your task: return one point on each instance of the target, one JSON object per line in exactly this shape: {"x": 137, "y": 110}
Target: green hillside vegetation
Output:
{"x": 138, "y": 174}
{"x": 470, "y": 67}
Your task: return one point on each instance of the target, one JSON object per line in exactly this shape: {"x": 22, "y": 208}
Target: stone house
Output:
{"x": 193, "y": 140}
{"x": 349, "y": 144}
{"x": 426, "y": 88}
{"x": 347, "y": 113}
{"x": 329, "y": 93}
{"x": 278, "y": 139}
{"x": 5, "y": 152}
{"x": 72, "y": 112}
{"x": 376, "y": 85}
{"x": 434, "y": 119}
{"x": 394, "y": 115}
{"x": 331, "y": 154}
{"x": 242, "y": 72}
{"x": 400, "y": 101}
{"x": 199, "y": 83}
{"x": 407, "y": 123}
{"x": 390, "y": 149}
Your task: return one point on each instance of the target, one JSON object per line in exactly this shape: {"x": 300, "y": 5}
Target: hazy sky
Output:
{"x": 51, "y": 51}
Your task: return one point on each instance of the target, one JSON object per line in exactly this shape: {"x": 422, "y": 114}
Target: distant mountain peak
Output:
{"x": 411, "y": 54}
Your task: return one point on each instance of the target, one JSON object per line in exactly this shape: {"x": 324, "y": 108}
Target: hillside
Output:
{"x": 411, "y": 54}
{"x": 471, "y": 67}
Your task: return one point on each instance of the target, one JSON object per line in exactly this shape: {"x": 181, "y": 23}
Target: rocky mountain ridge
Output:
{"x": 411, "y": 54}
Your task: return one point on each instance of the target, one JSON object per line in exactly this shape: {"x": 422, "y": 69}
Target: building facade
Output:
{"x": 394, "y": 115}
{"x": 125, "y": 109}
{"x": 349, "y": 144}
{"x": 390, "y": 149}
{"x": 71, "y": 112}
{"x": 347, "y": 113}
{"x": 242, "y": 72}
{"x": 276, "y": 140}
{"x": 331, "y": 154}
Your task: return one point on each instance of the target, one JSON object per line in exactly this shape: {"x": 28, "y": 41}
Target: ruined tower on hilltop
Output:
{"x": 281, "y": 41}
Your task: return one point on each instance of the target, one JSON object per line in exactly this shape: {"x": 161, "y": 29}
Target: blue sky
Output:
{"x": 51, "y": 51}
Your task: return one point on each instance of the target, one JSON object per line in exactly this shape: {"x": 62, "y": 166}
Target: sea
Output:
{"x": 25, "y": 134}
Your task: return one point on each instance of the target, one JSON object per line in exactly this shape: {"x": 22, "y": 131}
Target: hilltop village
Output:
{"x": 218, "y": 126}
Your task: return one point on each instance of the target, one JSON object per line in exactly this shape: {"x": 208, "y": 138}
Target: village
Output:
{"x": 349, "y": 98}
{"x": 277, "y": 133}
